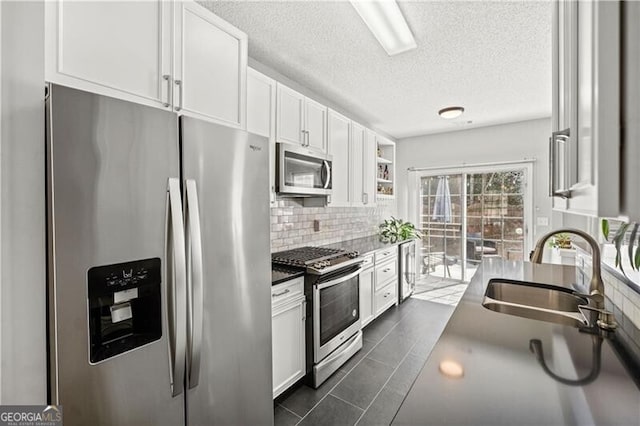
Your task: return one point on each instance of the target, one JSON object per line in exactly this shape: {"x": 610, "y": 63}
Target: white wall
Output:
{"x": 507, "y": 142}
{"x": 22, "y": 212}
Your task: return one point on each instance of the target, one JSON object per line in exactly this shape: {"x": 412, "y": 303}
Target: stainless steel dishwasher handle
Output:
{"x": 176, "y": 274}
{"x": 195, "y": 283}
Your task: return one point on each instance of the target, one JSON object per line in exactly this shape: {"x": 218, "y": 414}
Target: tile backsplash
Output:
{"x": 292, "y": 224}
{"x": 620, "y": 294}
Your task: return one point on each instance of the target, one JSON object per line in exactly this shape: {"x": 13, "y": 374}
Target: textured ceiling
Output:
{"x": 492, "y": 57}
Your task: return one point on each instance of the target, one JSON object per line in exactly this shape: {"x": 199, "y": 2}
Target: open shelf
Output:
{"x": 386, "y": 154}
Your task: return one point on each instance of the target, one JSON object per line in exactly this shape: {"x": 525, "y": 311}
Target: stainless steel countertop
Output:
{"x": 503, "y": 384}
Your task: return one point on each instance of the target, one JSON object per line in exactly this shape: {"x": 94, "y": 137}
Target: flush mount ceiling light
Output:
{"x": 451, "y": 112}
{"x": 385, "y": 20}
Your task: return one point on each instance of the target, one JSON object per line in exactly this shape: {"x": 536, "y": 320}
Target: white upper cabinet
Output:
{"x": 289, "y": 116}
{"x": 369, "y": 166}
{"x": 339, "y": 132}
{"x": 631, "y": 114}
{"x": 300, "y": 120}
{"x": 210, "y": 66}
{"x": 121, "y": 49}
{"x": 174, "y": 55}
{"x": 315, "y": 124}
{"x": 358, "y": 134}
{"x": 585, "y": 143}
{"x": 261, "y": 103}
{"x": 261, "y": 116}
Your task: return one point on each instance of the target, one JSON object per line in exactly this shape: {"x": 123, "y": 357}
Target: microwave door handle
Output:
{"x": 176, "y": 273}
{"x": 325, "y": 164}
{"x": 195, "y": 283}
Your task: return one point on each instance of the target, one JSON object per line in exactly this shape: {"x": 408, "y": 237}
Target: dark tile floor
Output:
{"x": 370, "y": 387}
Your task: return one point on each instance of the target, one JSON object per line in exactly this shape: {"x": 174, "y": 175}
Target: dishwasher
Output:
{"x": 407, "y": 273}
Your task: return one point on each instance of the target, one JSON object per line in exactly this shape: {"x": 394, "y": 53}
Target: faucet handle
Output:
{"x": 606, "y": 320}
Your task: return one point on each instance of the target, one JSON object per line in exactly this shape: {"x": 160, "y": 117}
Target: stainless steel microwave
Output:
{"x": 302, "y": 171}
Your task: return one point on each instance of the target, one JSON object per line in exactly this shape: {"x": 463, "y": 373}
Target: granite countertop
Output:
{"x": 364, "y": 245}
{"x": 503, "y": 383}
{"x": 280, "y": 274}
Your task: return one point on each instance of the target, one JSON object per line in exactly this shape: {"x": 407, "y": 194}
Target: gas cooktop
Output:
{"x": 316, "y": 260}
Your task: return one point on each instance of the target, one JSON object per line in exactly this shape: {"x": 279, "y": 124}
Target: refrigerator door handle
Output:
{"x": 195, "y": 283}
{"x": 176, "y": 285}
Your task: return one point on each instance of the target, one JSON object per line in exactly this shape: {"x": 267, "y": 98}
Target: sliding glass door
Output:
{"x": 441, "y": 225}
{"x": 468, "y": 215}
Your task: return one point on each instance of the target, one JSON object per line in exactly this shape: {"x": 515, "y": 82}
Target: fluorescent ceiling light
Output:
{"x": 385, "y": 20}
{"x": 451, "y": 112}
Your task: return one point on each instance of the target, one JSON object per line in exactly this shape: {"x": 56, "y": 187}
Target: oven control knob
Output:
{"x": 353, "y": 254}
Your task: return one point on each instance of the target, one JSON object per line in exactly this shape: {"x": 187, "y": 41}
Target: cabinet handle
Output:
{"x": 561, "y": 136}
{"x": 365, "y": 197}
{"x": 282, "y": 293}
{"x": 386, "y": 269}
{"x": 167, "y": 78}
{"x": 179, "y": 84}
{"x": 387, "y": 294}
{"x": 304, "y": 137}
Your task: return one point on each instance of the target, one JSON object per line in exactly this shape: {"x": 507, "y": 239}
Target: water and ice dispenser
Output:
{"x": 125, "y": 310}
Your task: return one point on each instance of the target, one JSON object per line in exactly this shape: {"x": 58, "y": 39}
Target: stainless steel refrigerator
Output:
{"x": 159, "y": 266}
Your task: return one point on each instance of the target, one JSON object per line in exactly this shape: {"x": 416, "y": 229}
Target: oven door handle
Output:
{"x": 339, "y": 279}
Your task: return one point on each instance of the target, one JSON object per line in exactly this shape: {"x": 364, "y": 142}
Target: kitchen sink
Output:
{"x": 535, "y": 301}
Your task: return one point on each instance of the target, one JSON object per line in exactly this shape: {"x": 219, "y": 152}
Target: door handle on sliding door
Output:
{"x": 176, "y": 273}
{"x": 195, "y": 283}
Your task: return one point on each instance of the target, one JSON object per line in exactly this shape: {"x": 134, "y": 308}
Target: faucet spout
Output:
{"x": 596, "y": 287}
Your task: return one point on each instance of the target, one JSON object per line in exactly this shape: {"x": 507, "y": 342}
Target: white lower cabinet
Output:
{"x": 378, "y": 283}
{"x": 288, "y": 334}
{"x": 386, "y": 297}
{"x": 367, "y": 290}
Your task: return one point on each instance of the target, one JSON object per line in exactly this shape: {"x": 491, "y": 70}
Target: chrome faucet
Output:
{"x": 605, "y": 319}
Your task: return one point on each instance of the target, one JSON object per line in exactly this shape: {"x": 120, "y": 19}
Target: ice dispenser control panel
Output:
{"x": 125, "y": 310}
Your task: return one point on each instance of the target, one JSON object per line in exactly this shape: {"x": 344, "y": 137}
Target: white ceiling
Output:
{"x": 492, "y": 57}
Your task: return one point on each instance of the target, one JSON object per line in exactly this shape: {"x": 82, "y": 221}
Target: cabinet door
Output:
{"x": 369, "y": 167}
{"x": 366, "y": 296}
{"x": 357, "y": 158}
{"x": 339, "y": 132}
{"x": 288, "y": 345}
{"x": 597, "y": 188}
{"x": 289, "y": 115}
{"x": 261, "y": 116}
{"x": 316, "y": 125}
{"x": 118, "y": 49}
{"x": 210, "y": 66}
{"x": 386, "y": 297}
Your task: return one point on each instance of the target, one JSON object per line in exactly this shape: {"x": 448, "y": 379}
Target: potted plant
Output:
{"x": 394, "y": 230}
{"x": 619, "y": 240}
{"x": 563, "y": 250}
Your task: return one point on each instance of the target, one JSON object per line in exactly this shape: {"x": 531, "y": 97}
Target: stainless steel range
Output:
{"x": 332, "y": 290}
